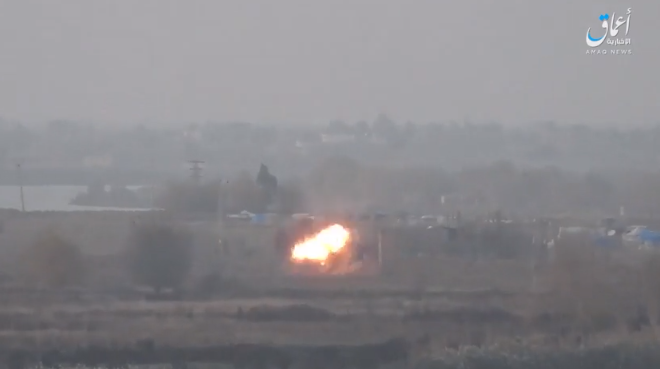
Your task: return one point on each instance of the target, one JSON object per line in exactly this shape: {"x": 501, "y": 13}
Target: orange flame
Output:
{"x": 318, "y": 248}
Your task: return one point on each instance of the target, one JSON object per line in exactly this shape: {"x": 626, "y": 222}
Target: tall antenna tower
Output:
{"x": 196, "y": 170}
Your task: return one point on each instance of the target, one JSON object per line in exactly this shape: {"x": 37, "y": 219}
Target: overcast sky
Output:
{"x": 302, "y": 61}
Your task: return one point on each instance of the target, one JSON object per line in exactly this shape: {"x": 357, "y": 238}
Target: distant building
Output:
{"x": 308, "y": 140}
{"x": 378, "y": 141}
{"x": 102, "y": 161}
{"x": 337, "y": 138}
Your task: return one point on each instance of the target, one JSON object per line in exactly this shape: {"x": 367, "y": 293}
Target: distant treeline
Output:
{"x": 80, "y": 177}
{"x": 143, "y": 153}
{"x": 341, "y": 184}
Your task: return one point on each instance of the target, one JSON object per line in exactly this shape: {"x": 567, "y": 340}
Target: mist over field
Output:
{"x": 169, "y": 62}
{"x": 331, "y": 184}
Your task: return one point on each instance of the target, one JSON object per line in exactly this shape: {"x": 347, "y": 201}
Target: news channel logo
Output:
{"x": 613, "y": 40}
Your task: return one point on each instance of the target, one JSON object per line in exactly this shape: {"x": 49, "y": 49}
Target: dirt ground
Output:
{"x": 436, "y": 302}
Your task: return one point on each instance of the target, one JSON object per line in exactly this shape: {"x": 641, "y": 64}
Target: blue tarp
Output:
{"x": 647, "y": 236}
{"x": 259, "y": 219}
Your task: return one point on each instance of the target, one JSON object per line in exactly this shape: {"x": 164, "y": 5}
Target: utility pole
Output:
{"x": 20, "y": 185}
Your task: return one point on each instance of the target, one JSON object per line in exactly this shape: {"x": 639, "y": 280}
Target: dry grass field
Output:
{"x": 582, "y": 308}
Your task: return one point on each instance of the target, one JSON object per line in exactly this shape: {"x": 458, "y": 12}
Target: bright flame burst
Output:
{"x": 319, "y": 247}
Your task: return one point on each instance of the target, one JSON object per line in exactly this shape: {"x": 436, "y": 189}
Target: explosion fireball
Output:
{"x": 321, "y": 246}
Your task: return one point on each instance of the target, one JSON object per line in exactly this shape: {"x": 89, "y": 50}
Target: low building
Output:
{"x": 100, "y": 161}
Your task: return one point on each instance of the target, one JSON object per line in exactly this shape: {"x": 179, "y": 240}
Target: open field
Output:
{"x": 583, "y": 310}
{"x": 300, "y": 330}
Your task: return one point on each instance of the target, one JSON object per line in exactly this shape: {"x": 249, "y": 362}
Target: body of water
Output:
{"x": 48, "y": 198}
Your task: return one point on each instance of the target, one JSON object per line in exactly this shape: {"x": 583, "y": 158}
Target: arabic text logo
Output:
{"x": 611, "y": 30}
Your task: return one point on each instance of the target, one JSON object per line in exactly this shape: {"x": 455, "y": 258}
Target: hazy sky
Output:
{"x": 301, "y": 61}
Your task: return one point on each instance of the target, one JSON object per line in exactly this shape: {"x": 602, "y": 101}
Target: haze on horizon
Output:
{"x": 158, "y": 61}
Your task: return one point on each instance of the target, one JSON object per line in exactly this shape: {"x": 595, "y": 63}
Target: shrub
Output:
{"x": 243, "y": 193}
{"x": 189, "y": 197}
{"x": 651, "y": 291}
{"x": 613, "y": 356}
{"x": 292, "y": 313}
{"x": 159, "y": 255}
{"x": 231, "y": 196}
{"x": 598, "y": 291}
{"x": 290, "y": 198}
{"x": 53, "y": 262}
